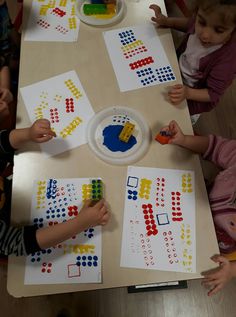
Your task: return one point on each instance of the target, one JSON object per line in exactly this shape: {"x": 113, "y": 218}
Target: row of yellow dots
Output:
{"x": 71, "y": 86}
{"x": 52, "y": 4}
{"x": 72, "y": 23}
{"x": 78, "y": 248}
{"x": 187, "y": 258}
{"x": 44, "y": 8}
{"x": 186, "y": 234}
{"x": 63, "y": 3}
{"x": 57, "y": 98}
{"x": 44, "y": 95}
{"x": 71, "y": 127}
{"x": 41, "y": 188}
{"x": 187, "y": 183}
{"x": 39, "y": 110}
{"x": 145, "y": 187}
{"x": 73, "y": 10}
{"x": 86, "y": 191}
{"x": 128, "y": 47}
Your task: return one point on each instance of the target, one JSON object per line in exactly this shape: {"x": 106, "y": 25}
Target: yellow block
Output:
{"x": 126, "y": 132}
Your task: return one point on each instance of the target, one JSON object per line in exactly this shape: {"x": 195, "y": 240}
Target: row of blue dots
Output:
{"x": 53, "y": 210}
{"x": 56, "y": 216}
{"x": 90, "y": 258}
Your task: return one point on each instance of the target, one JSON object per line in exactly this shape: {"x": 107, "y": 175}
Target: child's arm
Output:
{"x": 5, "y": 93}
{"x": 88, "y": 217}
{"x": 178, "y": 93}
{"x": 39, "y": 132}
{"x": 216, "y": 279}
{"x": 4, "y": 110}
{"x": 197, "y": 144}
{"x": 180, "y": 24}
{"x": 5, "y": 80}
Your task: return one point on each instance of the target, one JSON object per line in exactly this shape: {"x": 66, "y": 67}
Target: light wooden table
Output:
{"x": 89, "y": 58}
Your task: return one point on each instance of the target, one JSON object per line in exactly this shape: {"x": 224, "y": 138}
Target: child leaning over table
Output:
{"x": 9, "y": 39}
{"x": 222, "y": 197}
{"x": 28, "y": 239}
{"x": 6, "y": 106}
{"x": 207, "y": 54}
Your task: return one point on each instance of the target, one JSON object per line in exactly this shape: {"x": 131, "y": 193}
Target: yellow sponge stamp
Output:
{"x": 126, "y": 132}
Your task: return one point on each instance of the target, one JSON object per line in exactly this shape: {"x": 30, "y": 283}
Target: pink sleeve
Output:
{"x": 221, "y": 152}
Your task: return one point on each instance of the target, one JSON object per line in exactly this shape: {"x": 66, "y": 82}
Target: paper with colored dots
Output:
{"x": 61, "y": 100}
{"x": 138, "y": 57}
{"x": 53, "y": 21}
{"x": 77, "y": 260}
{"x": 159, "y": 220}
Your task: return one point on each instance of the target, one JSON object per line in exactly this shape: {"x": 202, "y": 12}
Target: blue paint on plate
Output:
{"x": 111, "y": 139}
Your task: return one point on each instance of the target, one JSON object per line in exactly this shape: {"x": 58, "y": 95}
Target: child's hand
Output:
{"x": 41, "y": 131}
{"x": 6, "y": 95}
{"x": 216, "y": 279}
{"x": 91, "y": 216}
{"x": 160, "y": 19}
{"x": 177, "y": 94}
{"x": 176, "y": 134}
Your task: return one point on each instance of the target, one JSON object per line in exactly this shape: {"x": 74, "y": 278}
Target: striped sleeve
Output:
{"x": 17, "y": 241}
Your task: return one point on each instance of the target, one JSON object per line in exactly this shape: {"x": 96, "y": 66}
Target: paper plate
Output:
{"x": 96, "y": 21}
{"x": 111, "y": 119}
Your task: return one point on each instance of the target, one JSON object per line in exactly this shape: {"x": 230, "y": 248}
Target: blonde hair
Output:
{"x": 225, "y": 8}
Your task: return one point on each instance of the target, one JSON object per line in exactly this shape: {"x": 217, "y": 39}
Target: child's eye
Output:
{"x": 201, "y": 22}
{"x": 232, "y": 223}
{"x": 219, "y": 31}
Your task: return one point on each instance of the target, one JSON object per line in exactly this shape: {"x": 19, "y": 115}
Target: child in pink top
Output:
{"x": 222, "y": 197}
{"x": 207, "y": 55}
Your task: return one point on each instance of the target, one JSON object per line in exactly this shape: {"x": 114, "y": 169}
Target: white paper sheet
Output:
{"x": 159, "y": 220}
{"x": 53, "y": 21}
{"x": 77, "y": 260}
{"x": 61, "y": 100}
{"x": 138, "y": 57}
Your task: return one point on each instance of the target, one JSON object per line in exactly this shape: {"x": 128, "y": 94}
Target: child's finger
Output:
{"x": 219, "y": 259}
{"x": 52, "y": 133}
{"x": 208, "y": 279}
{"x": 104, "y": 210}
{"x": 175, "y": 100}
{"x": 87, "y": 203}
{"x": 165, "y": 128}
{"x": 175, "y": 91}
{"x": 153, "y": 19}
{"x": 210, "y": 284}
{"x": 178, "y": 86}
{"x": 44, "y": 138}
{"x": 155, "y": 8}
{"x": 215, "y": 290}
{"x": 105, "y": 218}
{"x": 100, "y": 203}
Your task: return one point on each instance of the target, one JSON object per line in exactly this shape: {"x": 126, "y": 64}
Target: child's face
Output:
{"x": 211, "y": 30}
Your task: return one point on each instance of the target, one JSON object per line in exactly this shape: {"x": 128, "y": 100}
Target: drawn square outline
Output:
{"x": 73, "y": 270}
{"x": 162, "y": 219}
{"x": 132, "y": 181}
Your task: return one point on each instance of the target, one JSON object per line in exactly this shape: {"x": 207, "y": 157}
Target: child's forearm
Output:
{"x": 233, "y": 268}
{"x": 51, "y": 236}
{"x": 179, "y": 24}
{"x": 195, "y": 143}
{"x": 18, "y": 137}
{"x": 201, "y": 95}
{"x": 5, "y": 77}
